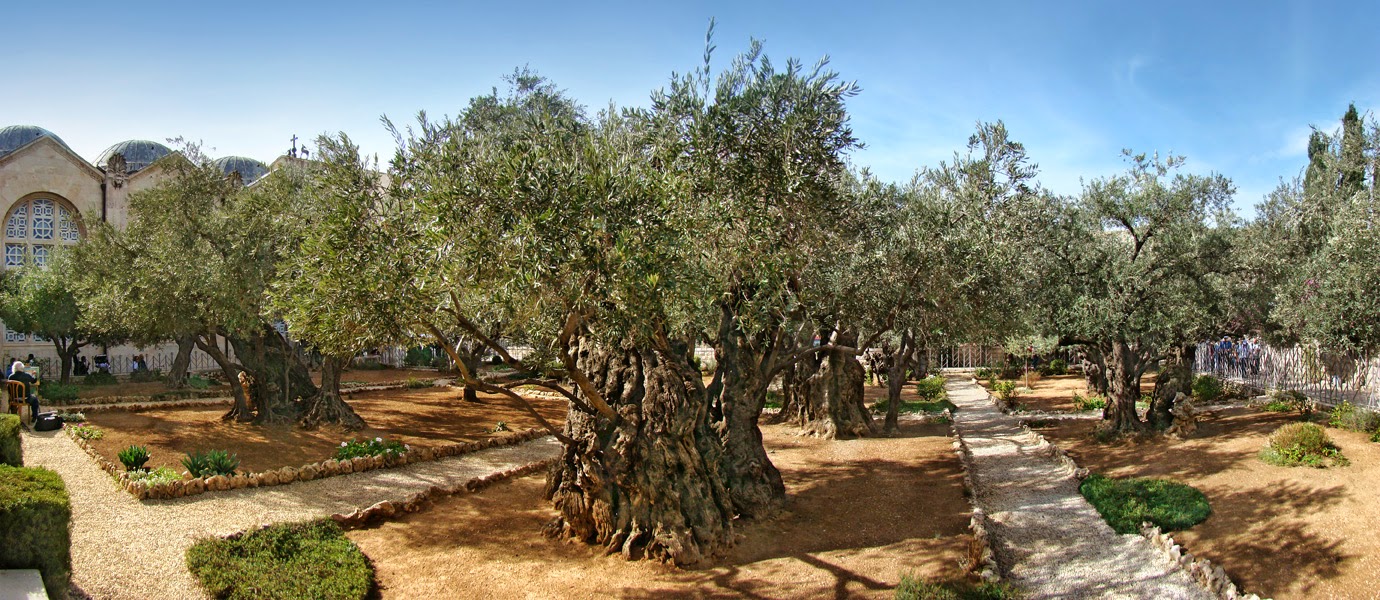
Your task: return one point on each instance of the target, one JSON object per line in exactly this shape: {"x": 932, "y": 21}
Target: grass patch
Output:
{"x": 912, "y": 588}
{"x": 305, "y": 560}
{"x": 916, "y": 407}
{"x": 1126, "y": 503}
{"x": 1302, "y": 444}
{"x": 57, "y": 392}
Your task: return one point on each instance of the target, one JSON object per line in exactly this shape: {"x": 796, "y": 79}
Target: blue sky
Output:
{"x": 1232, "y": 86}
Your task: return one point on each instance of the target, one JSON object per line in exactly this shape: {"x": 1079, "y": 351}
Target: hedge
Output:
{"x": 35, "y": 516}
{"x": 312, "y": 560}
{"x": 11, "y": 450}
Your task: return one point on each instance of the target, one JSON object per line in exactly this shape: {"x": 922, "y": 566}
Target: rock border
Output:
{"x": 1214, "y": 578}
{"x": 192, "y": 486}
{"x": 986, "y": 557}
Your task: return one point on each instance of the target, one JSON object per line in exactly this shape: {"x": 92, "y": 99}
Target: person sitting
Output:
{"x": 102, "y": 363}
{"x": 81, "y": 368}
{"x": 30, "y": 387}
{"x": 16, "y": 366}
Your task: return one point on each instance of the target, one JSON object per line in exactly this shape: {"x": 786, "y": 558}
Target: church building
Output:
{"x": 50, "y": 195}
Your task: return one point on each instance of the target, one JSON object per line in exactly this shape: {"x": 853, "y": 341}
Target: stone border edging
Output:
{"x": 287, "y": 475}
{"x": 1214, "y": 578}
{"x": 988, "y": 570}
{"x": 146, "y": 404}
{"x": 387, "y": 509}
{"x": 181, "y": 397}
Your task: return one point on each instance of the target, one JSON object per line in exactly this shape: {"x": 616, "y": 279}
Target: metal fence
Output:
{"x": 1327, "y": 376}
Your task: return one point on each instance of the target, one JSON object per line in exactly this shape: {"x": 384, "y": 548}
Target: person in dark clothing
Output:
{"x": 31, "y": 387}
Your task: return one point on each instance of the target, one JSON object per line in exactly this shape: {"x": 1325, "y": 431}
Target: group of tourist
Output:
{"x": 1236, "y": 357}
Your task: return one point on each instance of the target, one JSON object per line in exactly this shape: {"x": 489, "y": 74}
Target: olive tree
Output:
{"x": 1136, "y": 266}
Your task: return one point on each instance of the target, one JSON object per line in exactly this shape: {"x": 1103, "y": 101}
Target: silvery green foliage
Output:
{"x": 1139, "y": 258}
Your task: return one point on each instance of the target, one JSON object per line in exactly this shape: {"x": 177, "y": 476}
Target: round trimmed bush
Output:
{"x": 1298, "y": 444}
{"x": 35, "y": 515}
{"x": 1126, "y": 503}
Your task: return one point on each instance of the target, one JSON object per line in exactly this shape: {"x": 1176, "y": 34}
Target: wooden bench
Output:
{"x": 22, "y": 584}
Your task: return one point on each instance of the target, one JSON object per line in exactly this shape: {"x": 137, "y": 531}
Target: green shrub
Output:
{"x": 932, "y": 388}
{"x": 1006, "y": 390}
{"x": 87, "y": 432}
{"x": 1302, "y": 444}
{"x": 57, "y": 392}
{"x": 1089, "y": 402}
{"x": 198, "y": 382}
{"x": 1057, "y": 366}
{"x": 501, "y": 426}
{"x": 413, "y": 383}
{"x": 134, "y": 457}
{"x": 146, "y": 375}
{"x": 35, "y": 516}
{"x": 773, "y": 401}
{"x": 11, "y": 448}
{"x": 99, "y": 378}
{"x": 1290, "y": 401}
{"x": 374, "y": 447}
{"x": 370, "y": 364}
{"x": 72, "y": 417}
{"x": 1126, "y": 503}
{"x": 1207, "y": 388}
{"x": 211, "y": 462}
{"x": 1349, "y": 416}
{"x": 310, "y": 560}
{"x": 420, "y": 356}
{"x": 984, "y": 373}
{"x": 912, "y": 588}
{"x": 155, "y": 476}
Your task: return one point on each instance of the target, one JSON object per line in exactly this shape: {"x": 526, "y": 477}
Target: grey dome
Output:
{"x": 249, "y": 169}
{"x": 15, "y": 137}
{"x": 137, "y": 154}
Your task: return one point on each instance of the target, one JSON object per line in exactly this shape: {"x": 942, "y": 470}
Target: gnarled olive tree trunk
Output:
{"x": 279, "y": 380}
{"x": 327, "y": 406}
{"x": 1095, "y": 371}
{"x": 647, "y": 484}
{"x": 1176, "y": 377}
{"x": 834, "y": 407}
{"x": 737, "y": 395}
{"x": 1123, "y": 388}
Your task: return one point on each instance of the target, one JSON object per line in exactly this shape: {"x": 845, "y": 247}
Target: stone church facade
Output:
{"x": 50, "y": 195}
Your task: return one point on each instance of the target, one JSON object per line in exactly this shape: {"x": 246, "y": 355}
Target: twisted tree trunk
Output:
{"x": 327, "y": 406}
{"x": 1176, "y": 377}
{"x": 897, "y": 365}
{"x": 177, "y": 373}
{"x": 647, "y": 484}
{"x": 1123, "y": 387}
{"x": 834, "y": 406}
{"x": 738, "y": 393}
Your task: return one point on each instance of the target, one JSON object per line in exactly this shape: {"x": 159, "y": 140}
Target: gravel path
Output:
{"x": 124, "y": 548}
{"x": 1049, "y": 540}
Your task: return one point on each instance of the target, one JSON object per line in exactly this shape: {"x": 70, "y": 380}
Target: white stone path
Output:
{"x": 124, "y": 548}
{"x": 1048, "y": 539}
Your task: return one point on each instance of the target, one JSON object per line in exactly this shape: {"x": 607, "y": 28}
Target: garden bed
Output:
{"x": 862, "y": 513}
{"x": 1280, "y": 532}
{"x": 424, "y": 418}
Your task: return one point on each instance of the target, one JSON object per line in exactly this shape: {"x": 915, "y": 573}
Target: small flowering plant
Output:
{"x": 375, "y": 447}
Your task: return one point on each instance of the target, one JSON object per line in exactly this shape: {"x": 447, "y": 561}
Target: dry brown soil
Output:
{"x": 419, "y": 417}
{"x": 1278, "y": 531}
{"x": 861, "y": 513}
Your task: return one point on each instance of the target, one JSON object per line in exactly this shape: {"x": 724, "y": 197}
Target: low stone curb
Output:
{"x": 1214, "y": 578}
{"x": 986, "y": 558}
{"x": 424, "y": 499}
{"x": 171, "y": 397}
{"x": 146, "y": 404}
{"x": 328, "y": 468}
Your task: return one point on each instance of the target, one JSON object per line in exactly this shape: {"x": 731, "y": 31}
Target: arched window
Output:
{"x": 37, "y": 224}
{"x": 32, "y": 228}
